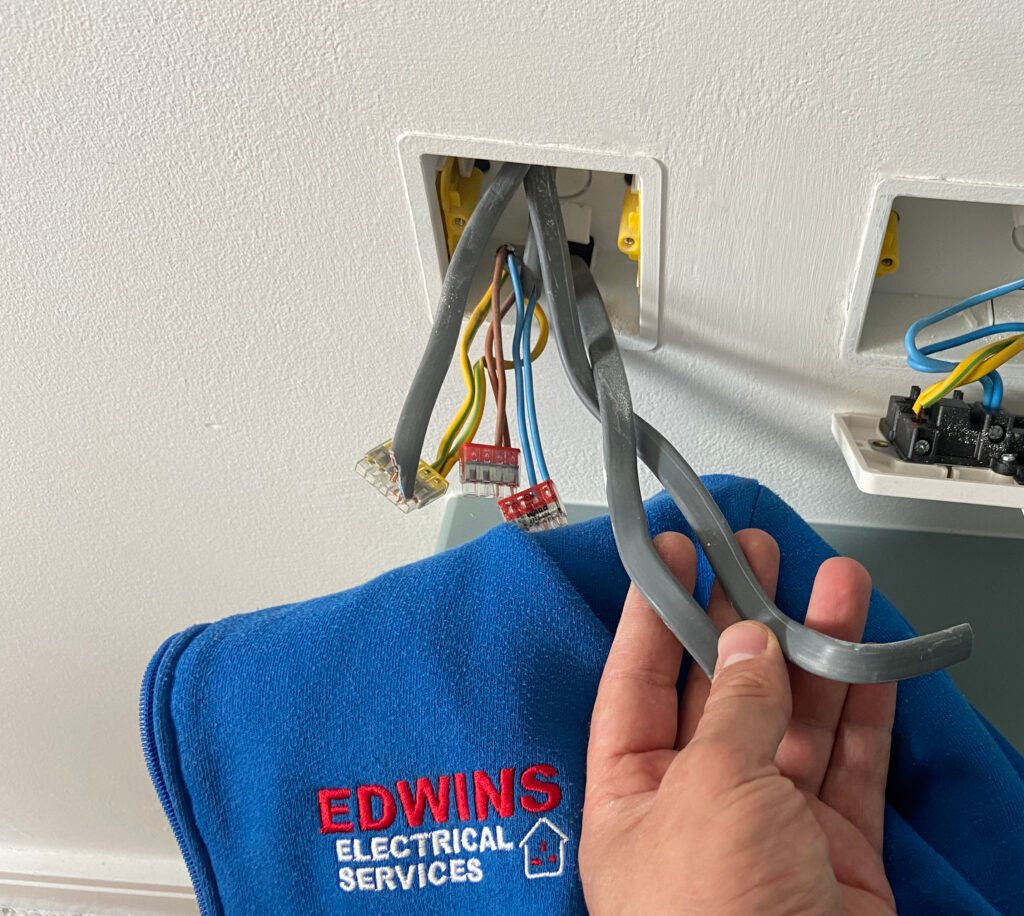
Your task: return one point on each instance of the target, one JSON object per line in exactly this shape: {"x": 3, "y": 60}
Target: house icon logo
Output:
{"x": 543, "y": 850}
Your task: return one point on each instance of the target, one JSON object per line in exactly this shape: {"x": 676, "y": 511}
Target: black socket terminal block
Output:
{"x": 586, "y": 252}
{"x": 956, "y": 432}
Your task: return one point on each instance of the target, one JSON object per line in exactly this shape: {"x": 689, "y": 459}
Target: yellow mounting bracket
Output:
{"x": 457, "y": 196}
{"x": 889, "y": 259}
{"x": 629, "y": 223}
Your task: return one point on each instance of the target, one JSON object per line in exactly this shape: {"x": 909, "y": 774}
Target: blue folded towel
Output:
{"x": 417, "y": 744}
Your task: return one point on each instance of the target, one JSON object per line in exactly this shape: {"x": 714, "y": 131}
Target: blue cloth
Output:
{"x": 417, "y": 744}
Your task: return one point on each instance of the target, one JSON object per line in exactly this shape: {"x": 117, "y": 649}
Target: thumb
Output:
{"x": 749, "y": 705}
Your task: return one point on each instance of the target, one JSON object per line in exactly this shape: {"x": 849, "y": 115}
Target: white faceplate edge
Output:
{"x": 882, "y": 474}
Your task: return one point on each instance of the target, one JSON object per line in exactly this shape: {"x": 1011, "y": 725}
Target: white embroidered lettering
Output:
{"x": 441, "y": 843}
{"x": 407, "y": 878}
{"x": 487, "y": 843}
{"x": 421, "y": 840}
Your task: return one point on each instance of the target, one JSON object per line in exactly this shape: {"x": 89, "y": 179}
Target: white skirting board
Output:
{"x": 52, "y": 882}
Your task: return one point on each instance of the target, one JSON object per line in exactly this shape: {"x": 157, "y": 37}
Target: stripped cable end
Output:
{"x": 536, "y": 508}
{"x": 488, "y": 470}
{"x": 377, "y": 467}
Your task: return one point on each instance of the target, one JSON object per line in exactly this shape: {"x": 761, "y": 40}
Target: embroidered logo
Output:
{"x": 543, "y": 850}
{"x": 432, "y": 831}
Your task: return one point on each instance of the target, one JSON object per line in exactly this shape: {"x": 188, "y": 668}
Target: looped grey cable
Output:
{"x": 407, "y": 444}
{"x": 813, "y": 651}
{"x": 670, "y": 599}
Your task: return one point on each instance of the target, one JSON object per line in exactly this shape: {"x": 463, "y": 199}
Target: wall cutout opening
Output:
{"x": 601, "y": 195}
{"x": 950, "y": 242}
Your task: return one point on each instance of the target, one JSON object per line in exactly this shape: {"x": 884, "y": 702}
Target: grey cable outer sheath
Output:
{"x": 407, "y": 444}
{"x": 823, "y": 655}
{"x": 808, "y": 649}
{"x": 672, "y": 602}
{"x": 531, "y": 265}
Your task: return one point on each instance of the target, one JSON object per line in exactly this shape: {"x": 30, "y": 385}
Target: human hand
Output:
{"x": 760, "y": 792}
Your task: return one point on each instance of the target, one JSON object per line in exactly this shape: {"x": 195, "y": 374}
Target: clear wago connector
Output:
{"x": 378, "y": 469}
{"x": 488, "y": 470}
{"x": 535, "y": 508}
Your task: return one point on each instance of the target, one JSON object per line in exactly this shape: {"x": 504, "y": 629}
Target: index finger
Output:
{"x": 637, "y": 704}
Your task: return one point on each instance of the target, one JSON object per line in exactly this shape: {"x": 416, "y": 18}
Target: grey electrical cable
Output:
{"x": 837, "y": 659}
{"x": 407, "y": 444}
{"x": 581, "y": 191}
{"x": 531, "y": 266}
{"x": 823, "y": 655}
{"x": 672, "y": 602}
{"x": 1017, "y": 237}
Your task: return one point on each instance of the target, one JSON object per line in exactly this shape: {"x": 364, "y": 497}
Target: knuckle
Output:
{"x": 640, "y": 675}
{"x": 718, "y": 760}
{"x": 747, "y": 680}
{"x": 758, "y": 539}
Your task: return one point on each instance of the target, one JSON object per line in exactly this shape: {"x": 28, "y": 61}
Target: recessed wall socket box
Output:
{"x": 954, "y": 240}
{"x": 591, "y": 186}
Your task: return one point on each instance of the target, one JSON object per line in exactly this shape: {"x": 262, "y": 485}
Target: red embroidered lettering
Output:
{"x": 486, "y": 795}
{"x": 375, "y": 807}
{"x": 332, "y": 803}
{"x": 414, "y": 808}
{"x": 462, "y": 797}
{"x": 364, "y": 800}
{"x": 552, "y": 794}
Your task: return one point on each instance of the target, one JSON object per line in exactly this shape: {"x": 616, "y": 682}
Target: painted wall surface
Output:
{"x": 210, "y": 301}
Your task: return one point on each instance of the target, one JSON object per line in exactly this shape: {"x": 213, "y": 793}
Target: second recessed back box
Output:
{"x": 955, "y": 240}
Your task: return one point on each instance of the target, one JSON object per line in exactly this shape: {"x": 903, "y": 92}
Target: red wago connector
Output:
{"x": 535, "y": 508}
{"x": 488, "y": 470}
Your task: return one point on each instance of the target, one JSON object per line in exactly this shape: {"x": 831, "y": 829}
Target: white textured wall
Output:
{"x": 210, "y": 302}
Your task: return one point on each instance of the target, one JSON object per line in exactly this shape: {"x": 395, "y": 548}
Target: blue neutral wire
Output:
{"x": 531, "y": 404}
{"x": 1006, "y": 327}
{"x": 517, "y": 363}
{"x": 919, "y": 358}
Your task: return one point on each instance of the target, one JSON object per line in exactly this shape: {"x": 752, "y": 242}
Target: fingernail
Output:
{"x": 740, "y": 642}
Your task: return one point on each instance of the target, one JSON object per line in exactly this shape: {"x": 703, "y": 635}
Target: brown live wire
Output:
{"x": 467, "y": 420}
{"x": 494, "y": 354}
